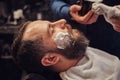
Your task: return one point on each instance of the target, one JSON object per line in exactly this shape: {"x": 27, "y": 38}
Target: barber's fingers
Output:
{"x": 116, "y": 24}
{"x": 116, "y": 28}
{"x": 86, "y": 19}
{"x": 75, "y": 8}
{"x": 89, "y": 18}
{"x": 93, "y": 19}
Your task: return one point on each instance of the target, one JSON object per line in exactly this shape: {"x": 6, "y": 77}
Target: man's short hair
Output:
{"x": 28, "y": 53}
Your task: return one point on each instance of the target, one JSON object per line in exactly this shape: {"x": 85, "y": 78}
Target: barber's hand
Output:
{"x": 115, "y": 23}
{"x": 89, "y": 18}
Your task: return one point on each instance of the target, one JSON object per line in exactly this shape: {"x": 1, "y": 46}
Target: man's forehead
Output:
{"x": 37, "y": 25}
{"x": 35, "y": 28}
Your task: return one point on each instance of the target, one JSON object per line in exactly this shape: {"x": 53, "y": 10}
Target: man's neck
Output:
{"x": 83, "y": 60}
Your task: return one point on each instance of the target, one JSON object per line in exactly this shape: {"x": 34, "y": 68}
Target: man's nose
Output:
{"x": 61, "y": 23}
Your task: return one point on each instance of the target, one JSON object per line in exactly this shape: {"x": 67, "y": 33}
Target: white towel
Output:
{"x": 100, "y": 66}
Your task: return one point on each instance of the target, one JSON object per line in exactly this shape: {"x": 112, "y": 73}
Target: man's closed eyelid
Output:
{"x": 51, "y": 29}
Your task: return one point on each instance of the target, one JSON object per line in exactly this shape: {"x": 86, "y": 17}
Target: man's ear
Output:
{"x": 50, "y": 59}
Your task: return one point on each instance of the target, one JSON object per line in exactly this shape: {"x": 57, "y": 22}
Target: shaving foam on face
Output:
{"x": 62, "y": 40}
{"x": 97, "y": 1}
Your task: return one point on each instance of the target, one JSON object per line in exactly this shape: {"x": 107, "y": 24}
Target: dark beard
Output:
{"x": 76, "y": 49}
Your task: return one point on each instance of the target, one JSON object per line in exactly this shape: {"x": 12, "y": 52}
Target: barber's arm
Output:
{"x": 64, "y": 10}
{"x": 60, "y": 8}
{"x": 89, "y": 18}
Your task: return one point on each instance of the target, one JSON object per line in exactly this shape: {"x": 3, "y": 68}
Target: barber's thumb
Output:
{"x": 77, "y": 7}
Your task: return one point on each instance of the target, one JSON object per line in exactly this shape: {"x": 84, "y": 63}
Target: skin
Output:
{"x": 89, "y": 18}
{"x": 116, "y": 24}
{"x": 47, "y": 30}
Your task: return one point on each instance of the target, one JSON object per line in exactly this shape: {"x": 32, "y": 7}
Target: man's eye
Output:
{"x": 51, "y": 29}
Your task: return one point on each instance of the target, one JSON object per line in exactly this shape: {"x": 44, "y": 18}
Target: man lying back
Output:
{"x": 42, "y": 46}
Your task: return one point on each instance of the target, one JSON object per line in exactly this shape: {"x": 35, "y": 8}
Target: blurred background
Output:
{"x": 12, "y": 14}
{"x": 15, "y": 12}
